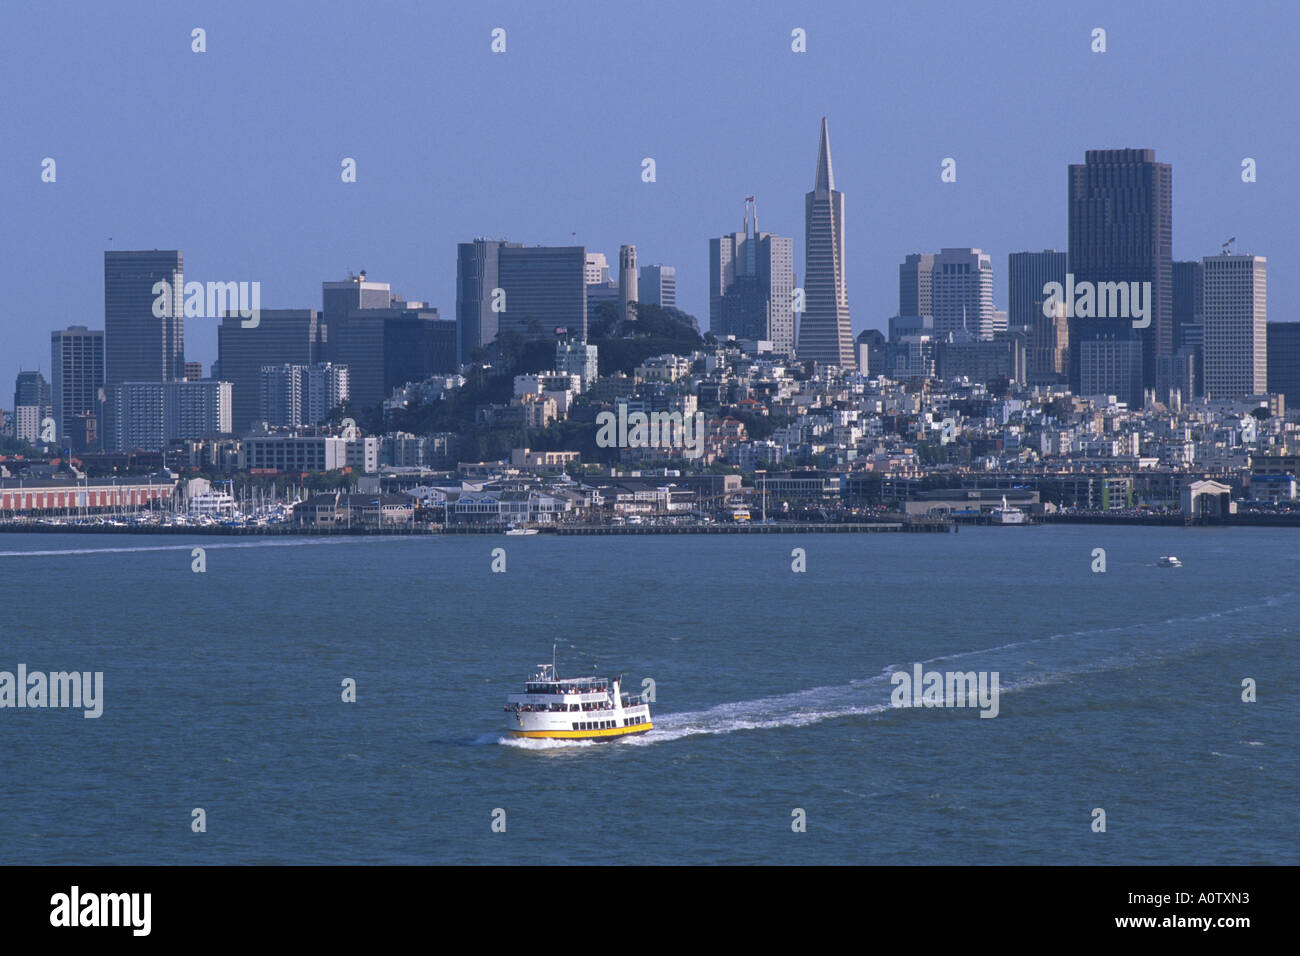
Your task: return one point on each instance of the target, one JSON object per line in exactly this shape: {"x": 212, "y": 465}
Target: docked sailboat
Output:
{"x": 576, "y": 708}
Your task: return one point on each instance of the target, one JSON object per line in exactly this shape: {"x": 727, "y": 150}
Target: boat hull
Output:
{"x": 600, "y": 734}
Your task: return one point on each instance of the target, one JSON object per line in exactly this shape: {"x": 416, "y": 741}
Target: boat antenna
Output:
{"x": 553, "y": 674}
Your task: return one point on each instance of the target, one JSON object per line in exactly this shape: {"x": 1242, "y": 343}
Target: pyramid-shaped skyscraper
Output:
{"x": 825, "y": 333}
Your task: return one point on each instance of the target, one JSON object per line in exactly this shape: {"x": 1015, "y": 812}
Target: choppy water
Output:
{"x": 222, "y": 691}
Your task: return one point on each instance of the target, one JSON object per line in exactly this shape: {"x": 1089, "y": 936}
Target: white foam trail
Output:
{"x": 1015, "y": 662}
{"x": 543, "y": 743}
{"x": 205, "y": 544}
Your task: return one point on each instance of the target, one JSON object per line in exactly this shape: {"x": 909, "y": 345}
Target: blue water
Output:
{"x": 1120, "y": 690}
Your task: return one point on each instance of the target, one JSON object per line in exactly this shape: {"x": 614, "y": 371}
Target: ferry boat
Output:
{"x": 1008, "y": 514}
{"x": 1169, "y": 561}
{"x": 576, "y": 708}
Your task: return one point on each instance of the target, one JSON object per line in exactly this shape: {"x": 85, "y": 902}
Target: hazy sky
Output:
{"x": 233, "y": 155}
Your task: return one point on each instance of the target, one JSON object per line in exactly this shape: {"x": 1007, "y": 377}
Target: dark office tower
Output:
{"x": 914, "y": 285}
{"x": 140, "y": 346}
{"x": 1188, "y": 299}
{"x": 751, "y": 284}
{"x": 31, "y": 388}
{"x": 340, "y": 299}
{"x": 281, "y": 337}
{"x": 1189, "y": 328}
{"x": 1284, "y": 360}
{"x": 384, "y": 349}
{"x": 476, "y": 278}
{"x": 1121, "y": 230}
{"x": 545, "y": 289}
{"x": 1027, "y": 273}
{"x": 824, "y": 332}
{"x": 506, "y": 287}
{"x": 77, "y": 370}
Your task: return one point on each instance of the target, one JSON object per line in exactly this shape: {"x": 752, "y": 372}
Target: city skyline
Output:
{"x": 1007, "y": 196}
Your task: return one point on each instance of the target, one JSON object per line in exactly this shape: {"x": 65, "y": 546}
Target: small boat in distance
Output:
{"x": 576, "y": 708}
{"x": 1007, "y": 514}
{"x": 514, "y": 529}
{"x": 1169, "y": 561}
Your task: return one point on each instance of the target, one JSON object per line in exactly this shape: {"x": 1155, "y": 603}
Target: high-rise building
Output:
{"x": 141, "y": 343}
{"x": 476, "y": 281}
{"x": 961, "y": 292}
{"x": 1236, "y": 325}
{"x": 657, "y": 285}
{"x": 914, "y": 284}
{"x": 871, "y": 352}
{"x": 1049, "y": 342}
{"x": 1189, "y": 327}
{"x": 148, "y": 415}
{"x": 384, "y": 349}
{"x": 506, "y": 287}
{"x": 1284, "y": 360}
{"x": 1188, "y": 304}
{"x": 281, "y": 337}
{"x": 751, "y": 285}
{"x": 32, "y": 406}
{"x": 1027, "y": 274}
{"x": 825, "y": 333}
{"x": 983, "y": 361}
{"x": 293, "y": 396}
{"x": 544, "y": 291}
{"x": 77, "y": 370}
{"x": 339, "y": 299}
{"x": 194, "y": 370}
{"x": 1120, "y": 229}
{"x": 1109, "y": 362}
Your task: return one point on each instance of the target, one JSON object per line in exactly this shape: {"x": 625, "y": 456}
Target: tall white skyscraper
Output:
{"x": 961, "y": 292}
{"x": 1236, "y": 326}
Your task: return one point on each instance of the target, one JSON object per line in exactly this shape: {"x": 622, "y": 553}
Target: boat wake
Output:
{"x": 1057, "y": 658}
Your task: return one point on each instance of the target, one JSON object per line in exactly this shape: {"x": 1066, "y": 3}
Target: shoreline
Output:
{"x": 885, "y": 526}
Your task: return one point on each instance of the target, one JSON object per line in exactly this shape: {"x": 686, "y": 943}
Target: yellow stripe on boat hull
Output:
{"x": 586, "y": 734}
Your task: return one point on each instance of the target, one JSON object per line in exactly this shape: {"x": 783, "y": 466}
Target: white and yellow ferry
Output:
{"x": 577, "y": 708}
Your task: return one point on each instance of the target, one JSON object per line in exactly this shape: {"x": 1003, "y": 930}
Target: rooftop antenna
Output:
{"x": 1225, "y": 248}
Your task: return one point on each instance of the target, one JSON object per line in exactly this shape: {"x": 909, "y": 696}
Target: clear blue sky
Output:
{"x": 233, "y": 155}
